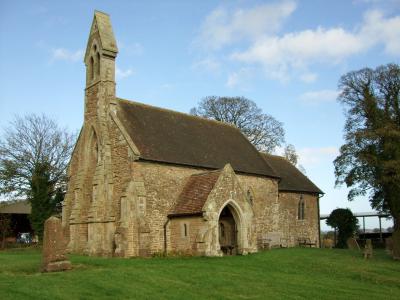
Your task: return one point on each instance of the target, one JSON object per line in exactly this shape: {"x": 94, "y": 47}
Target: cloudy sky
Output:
{"x": 287, "y": 56}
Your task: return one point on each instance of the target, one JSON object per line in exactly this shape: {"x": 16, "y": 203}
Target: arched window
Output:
{"x": 93, "y": 151}
{"x": 98, "y": 65}
{"x": 185, "y": 230}
{"x": 91, "y": 66}
{"x": 301, "y": 209}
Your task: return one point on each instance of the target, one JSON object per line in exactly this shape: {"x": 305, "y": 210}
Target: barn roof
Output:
{"x": 15, "y": 207}
{"x": 172, "y": 137}
{"x": 292, "y": 180}
{"x": 195, "y": 193}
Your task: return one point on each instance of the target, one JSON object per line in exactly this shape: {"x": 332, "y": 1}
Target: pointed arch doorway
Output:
{"x": 228, "y": 231}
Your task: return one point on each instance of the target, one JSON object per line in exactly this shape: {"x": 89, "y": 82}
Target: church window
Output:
{"x": 98, "y": 65}
{"x": 249, "y": 196}
{"x": 91, "y": 66}
{"x": 301, "y": 209}
{"x": 185, "y": 230}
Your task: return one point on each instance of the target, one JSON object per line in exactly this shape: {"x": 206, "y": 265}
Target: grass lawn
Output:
{"x": 278, "y": 274}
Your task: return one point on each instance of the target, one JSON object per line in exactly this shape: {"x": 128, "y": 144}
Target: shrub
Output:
{"x": 345, "y": 222}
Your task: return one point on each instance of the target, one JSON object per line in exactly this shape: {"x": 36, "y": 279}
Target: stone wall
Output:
{"x": 294, "y": 228}
{"x": 188, "y": 243}
{"x": 153, "y": 194}
{"x": 150, "y": 197}
{"x": 263, "y": 193}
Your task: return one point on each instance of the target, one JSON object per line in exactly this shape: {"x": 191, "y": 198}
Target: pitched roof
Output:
{"x": 15, "y": 207}
{"x": 292, "y": 179}
{"x": 102, "y": 24}
{"x": 195, "y": 193}
{"x": 172, "y": 137}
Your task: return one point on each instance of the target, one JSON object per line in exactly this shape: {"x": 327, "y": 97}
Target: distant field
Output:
{"x": 278, "y": 274}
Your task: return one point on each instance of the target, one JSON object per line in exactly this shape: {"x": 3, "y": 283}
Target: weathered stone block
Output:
{"x": 54, "y": 258}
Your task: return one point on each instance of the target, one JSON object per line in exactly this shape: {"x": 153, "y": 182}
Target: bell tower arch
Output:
{"x": 100, "y": 55}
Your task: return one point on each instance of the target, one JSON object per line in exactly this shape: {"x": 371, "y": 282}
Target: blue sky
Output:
{"x": 287, "y": 56}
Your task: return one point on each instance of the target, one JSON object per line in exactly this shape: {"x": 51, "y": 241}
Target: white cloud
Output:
{"x": 284, "y": 56}
{"x": 293, "y": 52}
{"x": 378, "y": 30}
{"x": 121, "y": 74}
{"x": 314, "y": 97}
{"x": 223, "y": 26}
{"x": 67, "y": 55}
{"x": 239, "y": 78}
{"x": 313, "y": 156}
{"x": 279, "y": 55}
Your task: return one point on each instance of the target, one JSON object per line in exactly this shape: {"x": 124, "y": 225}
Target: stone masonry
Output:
{"x": 54, "y": 258}
{"x": 131, "y": 192}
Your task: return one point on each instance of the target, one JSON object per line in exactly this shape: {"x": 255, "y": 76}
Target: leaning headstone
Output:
{"x": 54, "y": 258}
{"x": 368, "y": 249}
{"x": 352, "y": 244}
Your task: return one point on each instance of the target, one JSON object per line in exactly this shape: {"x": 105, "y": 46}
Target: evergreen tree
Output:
{"x": 345, "y": 222}
{"x": 41, "y": 198}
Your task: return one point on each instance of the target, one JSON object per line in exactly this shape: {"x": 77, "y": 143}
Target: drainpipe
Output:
{"x": 165, "y": 237}
{"x": 319, "y": 221}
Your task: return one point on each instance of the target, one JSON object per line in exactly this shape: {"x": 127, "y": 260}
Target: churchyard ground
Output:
{"x": 294, "y": 273}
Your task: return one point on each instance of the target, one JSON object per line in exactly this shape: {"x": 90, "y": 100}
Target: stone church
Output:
{"x": 145, "y": 180}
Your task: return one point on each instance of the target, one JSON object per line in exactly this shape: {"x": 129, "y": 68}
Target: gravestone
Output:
{"x": 327, "y": 243}
{"x": 368, "y": 249}
{"x": 54, "y": 247}
{"x": 352, "y": 244}
{"x": 389, "y": 245}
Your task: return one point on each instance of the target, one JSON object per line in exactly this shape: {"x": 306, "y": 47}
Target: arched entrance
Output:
{"x": 228, "y": 239}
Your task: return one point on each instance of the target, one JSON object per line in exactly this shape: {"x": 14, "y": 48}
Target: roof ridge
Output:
{"x": 178, "y": 112}
{"x": 206, "y": 172}
{"x": 273, "y": 155}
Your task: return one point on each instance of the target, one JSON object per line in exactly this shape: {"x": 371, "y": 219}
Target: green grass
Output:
{"x": 296, "y": 273}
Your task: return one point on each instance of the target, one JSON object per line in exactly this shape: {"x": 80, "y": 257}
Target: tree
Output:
{"x": 34, "y": 154}
{"x": 5, "y": 226}
{"x": 41, "y": 198}
{"x": 345, "y": 222}
{"x": 290, "y": 154}
{"x": 369, "y": 161}
{"x": 262, "y": 130}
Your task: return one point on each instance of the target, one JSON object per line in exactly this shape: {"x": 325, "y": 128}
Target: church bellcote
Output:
{"x": 101, "y": 51}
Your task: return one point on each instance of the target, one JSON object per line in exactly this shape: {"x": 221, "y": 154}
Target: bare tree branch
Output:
{"x": 262, "y": 130}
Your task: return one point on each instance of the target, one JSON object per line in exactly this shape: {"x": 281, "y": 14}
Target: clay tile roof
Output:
{"x": 195, "y": 193}
{"x": 292, "y": 180}
{"x": 172, "y": 137}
